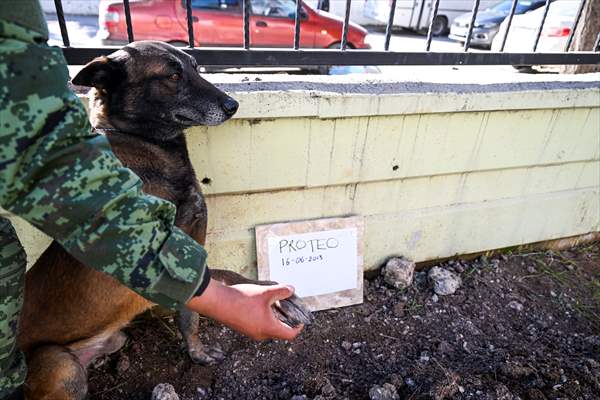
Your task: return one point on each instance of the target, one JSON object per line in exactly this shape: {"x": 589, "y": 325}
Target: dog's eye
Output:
{"x": 175, "y": 77}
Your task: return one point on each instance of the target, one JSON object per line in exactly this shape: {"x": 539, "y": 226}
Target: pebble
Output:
{"x": 398, "y": 309}
{"x": 515, "y": 305}
{"x": 328, "y": 389}
{"x": 385, "y": 392}
{"x": 531, "y": 269}
{"x": 435, "y": 298}
{"x": 399, "y": 272}
{"x": 123, "y": 364}
{"x": 201, "y": 393}
{"x": 346, "y": 345}
{"x": 164, "y": 391}
{"x": 299, "y": 397}
{"x": 444, "y": 281}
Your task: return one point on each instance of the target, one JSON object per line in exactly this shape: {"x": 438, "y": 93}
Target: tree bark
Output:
{"x": 585, "y": 37}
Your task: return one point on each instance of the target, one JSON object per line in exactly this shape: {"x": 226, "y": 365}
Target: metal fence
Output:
{"x": 249, "y": 56}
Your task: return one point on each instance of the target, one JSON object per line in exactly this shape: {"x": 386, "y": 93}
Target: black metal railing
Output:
{"x": 295, "y": 56}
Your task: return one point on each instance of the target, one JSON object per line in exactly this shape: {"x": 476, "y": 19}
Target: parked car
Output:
{"x": 487, "y": 22}
{"x": 220, "y": 23}
{"x": 555, "y": 32}
{"x": 523, "y": 30}
{"x": 416, "y": 14}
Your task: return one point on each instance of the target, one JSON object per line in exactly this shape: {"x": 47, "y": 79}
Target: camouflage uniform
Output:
{"x": 62, "y": 178}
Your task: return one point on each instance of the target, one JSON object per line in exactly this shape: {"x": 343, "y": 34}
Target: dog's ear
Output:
{"x": 101, "y": 73}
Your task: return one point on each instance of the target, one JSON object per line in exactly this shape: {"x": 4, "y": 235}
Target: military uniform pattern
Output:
{"x": 64, "y": 179}
{"x": 12, "y": 274}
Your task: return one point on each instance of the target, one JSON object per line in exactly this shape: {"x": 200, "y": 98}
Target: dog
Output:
{"x": 142, "y": 98}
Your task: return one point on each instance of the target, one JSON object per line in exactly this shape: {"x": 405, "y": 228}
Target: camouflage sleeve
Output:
{"x": 65, "y": 180}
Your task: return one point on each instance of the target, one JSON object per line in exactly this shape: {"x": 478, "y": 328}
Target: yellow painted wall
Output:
{"x": 434, "y": 175}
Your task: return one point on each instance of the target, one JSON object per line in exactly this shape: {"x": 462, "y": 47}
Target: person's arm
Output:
{"x": 65, "y": 180}
{"x": 237, "y": 305}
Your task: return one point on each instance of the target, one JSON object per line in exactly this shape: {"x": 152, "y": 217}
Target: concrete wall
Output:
{"x": 436, "y": 171}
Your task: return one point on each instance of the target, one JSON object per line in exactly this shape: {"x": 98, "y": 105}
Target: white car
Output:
{"x": 523, "y": 30}
{"x": 338, "y": 7}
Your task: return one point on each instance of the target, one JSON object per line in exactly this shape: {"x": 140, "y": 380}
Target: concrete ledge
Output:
{"x": 335, "y": 100}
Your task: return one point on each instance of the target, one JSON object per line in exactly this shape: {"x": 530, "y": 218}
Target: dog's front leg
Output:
{"x": 188, "y": 323}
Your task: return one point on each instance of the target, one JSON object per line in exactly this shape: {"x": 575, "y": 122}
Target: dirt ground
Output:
{"x": 522, "y": 326}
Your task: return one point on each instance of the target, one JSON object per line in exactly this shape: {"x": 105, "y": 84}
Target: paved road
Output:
{"x": 83, "y": 32}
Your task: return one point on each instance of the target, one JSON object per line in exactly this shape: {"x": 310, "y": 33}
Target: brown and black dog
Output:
{"x": 143, "y": 98}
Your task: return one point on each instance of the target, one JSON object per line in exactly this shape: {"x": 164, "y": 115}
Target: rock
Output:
{"x": 444, "y": 281}
{"x": 399, "y": 272}
{"x": 515, "y": 305}
{"x": 445, "y": 348}
{"x": 385, "y": 392}
{"x": 328, "y": 390}
{"x": 435, "y": 298}
{"x": 346, "y": 345}
{"x": 164, "y": 391}
{"x": 502, "y": 393}
{"x": 201, "y": 393}
{"x": 299, "y": 397}
{"x": 123, "y": 364}
{"x": 398, "y": 309}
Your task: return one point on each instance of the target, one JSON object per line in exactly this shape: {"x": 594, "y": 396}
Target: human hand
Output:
{"x": 246, "y": 308}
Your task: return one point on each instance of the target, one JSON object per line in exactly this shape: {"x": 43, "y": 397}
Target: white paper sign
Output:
{"x": 315, "y": 263}
{"x": 322, "y": 259}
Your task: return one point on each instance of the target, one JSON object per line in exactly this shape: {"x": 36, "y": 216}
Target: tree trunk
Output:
{"x": 585, "y": 37}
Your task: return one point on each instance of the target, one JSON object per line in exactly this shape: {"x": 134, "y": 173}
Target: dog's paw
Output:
{"x": 293, "y": 312}
{"x": 206, "y": 355}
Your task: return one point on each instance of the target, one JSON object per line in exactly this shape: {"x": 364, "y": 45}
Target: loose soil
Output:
{"x": 523, "y": 326}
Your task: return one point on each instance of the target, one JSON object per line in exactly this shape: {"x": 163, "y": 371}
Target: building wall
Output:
{"x": 78, "y": 7}
{"x": 434, "y": 174}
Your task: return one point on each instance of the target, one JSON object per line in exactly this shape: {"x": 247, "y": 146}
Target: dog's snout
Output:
{"x": 230, "y": 106}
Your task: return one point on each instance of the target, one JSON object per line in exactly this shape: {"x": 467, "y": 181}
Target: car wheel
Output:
{"x": 439, "y": 25}
{"x": 179, "y": 44}
{"x": 526, "y": 69}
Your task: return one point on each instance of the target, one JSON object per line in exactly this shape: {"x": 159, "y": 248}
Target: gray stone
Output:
{"x": 346, "y": 345}
{"x": 164, "y": 391}
{"x": 299, "y": 397}
{"x": 444, "y": 281}
{"x": 201, "y": 393}
{"x": 385, "y": 392}
{"x": 398, "y": 310}
{"x": 123, "y": 364}
{"x": 399, "y": 272}
{"x": 515, "y": 305}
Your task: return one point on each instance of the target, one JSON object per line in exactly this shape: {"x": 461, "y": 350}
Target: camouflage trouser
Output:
{"x": 12, "y": 275}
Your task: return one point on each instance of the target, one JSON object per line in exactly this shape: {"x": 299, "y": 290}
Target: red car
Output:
{"x": 220, "y": 23}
